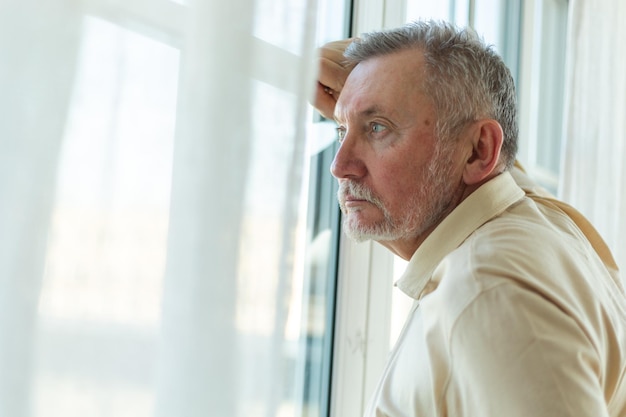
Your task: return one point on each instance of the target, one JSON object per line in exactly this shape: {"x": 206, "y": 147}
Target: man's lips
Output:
{"x": 351, "y": 201}
{"x": 355, "y": 196}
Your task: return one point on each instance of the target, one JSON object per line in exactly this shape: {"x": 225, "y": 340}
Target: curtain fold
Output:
{"x": 211, "y": 158}
{"x": 151, "y": 225}
{"x": 40, "y": 42}
{"x": 593, "y": 176}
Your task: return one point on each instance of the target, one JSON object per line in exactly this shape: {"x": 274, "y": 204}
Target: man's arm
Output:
{"x": 516, "y": 354}
{"x": 333, "y": 71}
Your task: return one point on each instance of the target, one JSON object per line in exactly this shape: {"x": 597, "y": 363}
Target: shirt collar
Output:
{"x": 487, "y": 202}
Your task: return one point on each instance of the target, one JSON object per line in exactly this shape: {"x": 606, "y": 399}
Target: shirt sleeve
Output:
{"x": 515, "y": 353}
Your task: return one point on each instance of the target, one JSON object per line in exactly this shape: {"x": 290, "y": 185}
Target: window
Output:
{"x": 322, "y": 234}
{"x": 110, "y": 225}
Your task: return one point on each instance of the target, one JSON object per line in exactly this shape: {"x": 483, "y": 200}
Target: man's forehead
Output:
{"x": 376, "y": 86}
{"x": 364, "y": 88}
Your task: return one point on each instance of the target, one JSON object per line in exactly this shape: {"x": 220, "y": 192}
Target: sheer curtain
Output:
{"x": 593, "y": 177}
{"x": 151, "y": 160}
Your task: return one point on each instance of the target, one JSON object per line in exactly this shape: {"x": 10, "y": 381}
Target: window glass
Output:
{"x": 272, "y": 14}
{"x": 551, "y": 90}
{"x": 487, "y": 20}
{"x": 319, "y": 285}
{"x": 449, "y": 10}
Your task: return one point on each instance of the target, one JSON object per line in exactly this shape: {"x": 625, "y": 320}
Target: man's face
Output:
{"x": 396, "y": 180}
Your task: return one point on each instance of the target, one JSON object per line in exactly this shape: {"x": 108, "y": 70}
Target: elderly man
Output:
{"x": 519, "y": 310}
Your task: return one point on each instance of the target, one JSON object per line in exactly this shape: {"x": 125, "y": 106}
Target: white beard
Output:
{"x": 423, "y": 210}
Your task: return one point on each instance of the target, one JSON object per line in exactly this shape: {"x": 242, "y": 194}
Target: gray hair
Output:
{"x": 465, "y": 78}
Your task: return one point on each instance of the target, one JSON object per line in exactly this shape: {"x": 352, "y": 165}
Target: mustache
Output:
{"x": 357, "y": 191}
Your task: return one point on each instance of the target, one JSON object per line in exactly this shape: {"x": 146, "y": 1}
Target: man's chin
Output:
{"x": 356, "y": 237}
{"x": 360, "y": 237}
{"x": 359, "y": 234}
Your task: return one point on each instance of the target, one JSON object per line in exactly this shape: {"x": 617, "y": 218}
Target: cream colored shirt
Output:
{"x": 515, "y": 315}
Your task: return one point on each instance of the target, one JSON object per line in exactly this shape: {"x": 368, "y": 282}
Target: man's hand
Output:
{"x": 333, "y": 71}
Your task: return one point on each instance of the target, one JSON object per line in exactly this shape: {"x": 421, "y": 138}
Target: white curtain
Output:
{"x": 593, "y": 177}
{"x": 151, "y": 160}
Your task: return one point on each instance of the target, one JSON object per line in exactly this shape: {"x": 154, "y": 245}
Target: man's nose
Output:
{"x": 348, "y": 161}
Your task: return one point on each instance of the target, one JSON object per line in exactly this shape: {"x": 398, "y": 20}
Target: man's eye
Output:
{"x": 341, "y": 133}
{"x": 377, "y": 127}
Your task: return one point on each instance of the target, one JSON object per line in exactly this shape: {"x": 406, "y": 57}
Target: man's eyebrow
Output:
{"x": 371, "y": 111}
{"x": 368, "y": 112}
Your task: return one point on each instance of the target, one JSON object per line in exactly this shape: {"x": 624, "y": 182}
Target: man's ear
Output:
{"x": 486, "y": 141}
